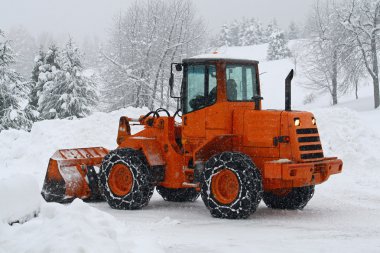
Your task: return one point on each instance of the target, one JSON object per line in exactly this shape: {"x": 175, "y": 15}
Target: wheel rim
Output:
{"x": 120, "y": 180}
{"x": 225, "y": 186}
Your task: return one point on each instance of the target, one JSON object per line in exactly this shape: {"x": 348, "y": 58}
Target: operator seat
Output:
{"x": 231, "y": 90}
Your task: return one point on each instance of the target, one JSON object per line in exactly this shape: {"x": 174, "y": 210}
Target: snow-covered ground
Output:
{"x": 343, "y": 214}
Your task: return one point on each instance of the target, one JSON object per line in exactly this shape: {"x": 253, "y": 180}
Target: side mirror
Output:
{"x": 171, "y": 82}
{"x": 178, "y": 67}
{"x": 257, "y": 99}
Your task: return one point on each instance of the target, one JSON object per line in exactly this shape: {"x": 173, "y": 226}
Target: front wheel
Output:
{"x": 292, "y": 199}
{"x": 125, "y": 179}
{"x": 231, "y": 186}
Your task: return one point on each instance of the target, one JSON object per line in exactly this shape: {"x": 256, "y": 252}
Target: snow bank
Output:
{"x": 77, "y": 227}
{"x": 346, "y": 134}
{"x": 20, "y": 198}
{"x": 29, "y": 152}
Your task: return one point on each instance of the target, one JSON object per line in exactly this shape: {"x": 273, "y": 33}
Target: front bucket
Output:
{"x": 72, "y": 173}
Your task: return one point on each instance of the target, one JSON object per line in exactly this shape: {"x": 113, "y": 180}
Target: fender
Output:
{"x": 216, "y": 145}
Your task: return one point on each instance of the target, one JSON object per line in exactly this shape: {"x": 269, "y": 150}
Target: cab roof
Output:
{"x": 218, "y": 57}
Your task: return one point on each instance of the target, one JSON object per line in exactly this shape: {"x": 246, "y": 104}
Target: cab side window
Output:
{"x": 241, "y": 82}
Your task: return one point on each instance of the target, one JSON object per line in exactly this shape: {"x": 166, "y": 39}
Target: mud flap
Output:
{"x": 71, "y": 174}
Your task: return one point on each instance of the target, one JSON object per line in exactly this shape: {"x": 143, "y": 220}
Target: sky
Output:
{"x": 88, "y": 18}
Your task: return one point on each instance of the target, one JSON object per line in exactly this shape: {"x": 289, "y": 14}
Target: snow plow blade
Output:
{"x": 72, "y": 173}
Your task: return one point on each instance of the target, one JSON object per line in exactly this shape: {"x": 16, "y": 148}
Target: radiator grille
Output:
{"x": 311, "y": 147}
{"x": 309, "y": 139}
{"x": 307, "y": 131}
{"x": 309, "y": 143}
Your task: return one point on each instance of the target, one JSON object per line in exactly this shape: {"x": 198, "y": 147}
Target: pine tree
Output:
{"x": 45, "y": 70}
{"x": 248, "y": 32}
{"x": 13, "y": 91}
{"x": 24, "y": 47}
{"x": 293, "y": 31}
{"x": 270, "y": 30}
{"x": 52, "y": 56}
{"x": 277, "y": 48}
{"x": 225, "y": 36}
{"x": 259, "y": 33}
{"x": 36, "y": 85}
{"x": 234, "y": 39}
{"x": 70, "y": 93}
{"x": 245, "y": 32}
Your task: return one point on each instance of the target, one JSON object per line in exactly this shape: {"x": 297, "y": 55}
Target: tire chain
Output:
{"x": 142, "y": 188}
{"x": 250, "y": 183}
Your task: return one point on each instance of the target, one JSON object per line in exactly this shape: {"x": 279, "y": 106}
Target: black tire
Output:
{"x": 250, "y": 185}
{"x": 297, "y": 198}
{"x": 142, "y": 188}
{"x": 178, "y": 195}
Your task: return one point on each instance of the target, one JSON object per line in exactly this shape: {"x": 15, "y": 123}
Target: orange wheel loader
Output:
{"x": 226, "y": 149}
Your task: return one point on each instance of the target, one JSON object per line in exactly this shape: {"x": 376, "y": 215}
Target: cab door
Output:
{"x": 198, "y": 94}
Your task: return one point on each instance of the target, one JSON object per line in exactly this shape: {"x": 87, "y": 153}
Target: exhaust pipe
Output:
{"x": 288, "y": 91}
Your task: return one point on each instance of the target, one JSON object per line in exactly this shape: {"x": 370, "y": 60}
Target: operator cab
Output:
{"x": 207, "y": 81}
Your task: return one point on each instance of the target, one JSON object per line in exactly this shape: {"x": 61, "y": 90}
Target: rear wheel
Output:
{"x": 231, "y": 186}
{"x": 125, "y": 179}
{"x": 292, "y": 199}
{"x": 178, "y": 195}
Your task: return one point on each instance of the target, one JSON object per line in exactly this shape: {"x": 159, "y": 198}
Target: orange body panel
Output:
{"x": 286, "y": 174}
{"x": 158, "y": 143}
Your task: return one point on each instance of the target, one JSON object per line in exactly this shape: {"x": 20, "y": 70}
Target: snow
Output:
{"x": 281, "y": 161}
{"x": 21, "y": 194}
{"x": 342, "y": 216}
{"x": 77, "y": 227}
{"x": 13, "y": 115}
{"x": 258, "y": 53}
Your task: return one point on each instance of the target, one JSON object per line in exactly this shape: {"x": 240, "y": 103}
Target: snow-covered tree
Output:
{"x": 277, "y": 48}
{"x": 231, "y": 33}
{"x": 45, "y": 70}
{"x": 293, "y": 31}
{"x": 91, "y": 52}
{"x": 70, "y": 93}
{"x": 362, "y": 20}
{"x": 13, "y": 91}
{"x": 52, "y": 56}
{"x": 326, "y": 51}
{"x": 25, "y": 48}
{"x": 270, "y": 30}
{"x": 246, "y": 31}
{"x": 144, "y": 41}
{"x": 225, "y": 36}
{"x": 355, "y": 71}
{"x": 37, "y": 85}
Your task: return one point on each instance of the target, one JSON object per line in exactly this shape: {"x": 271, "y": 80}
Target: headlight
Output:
{"x": 297, "y": 122}
{"x": 314, "y": 121}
